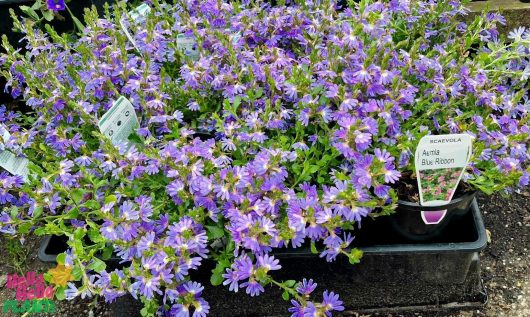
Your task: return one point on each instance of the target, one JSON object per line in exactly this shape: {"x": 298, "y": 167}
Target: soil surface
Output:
{"x": 505, "y": 270}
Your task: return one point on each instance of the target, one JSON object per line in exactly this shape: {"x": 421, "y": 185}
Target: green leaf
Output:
{"x": 77, "y": 195}
{"x": 37, "y": 212}
{"x": 97, "y": 265}
{"x": 48, "y": 15}
{"x": 79, "y": 234}
{"x": 92, "y": 204}
{"x": 39, "y": 231}
{"x": 215, "y": 232}
{"x": 285, "y": 295}
{"x": 59, "y": 293}
{"x": 114, "y": 280}
{"x": 78, "y": 23}
{"x": 216, "y": 279}
{"x": 313, "y": 248}
{"x": 110, "y": 199}
{"x": 60, "y": 258}
{"x": 313, "y": 169}
{"x": 77, "y": 273}
{"x": 24, "y": 228}
{"x": 107, "y": 252}
{"x": 95, "y": 235}
{"x": 134, "y": 137}
{"x": 73, "y": 213}
{"x": 30, "y": 12}
{"x": 355, "y": 256}
{"x": 47, "y": 277}
{"x": 37, "y": 5}
{"x": 289, "y": 283}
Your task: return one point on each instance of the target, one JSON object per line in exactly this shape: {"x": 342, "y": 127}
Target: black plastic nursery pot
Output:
{"x": 409, "y": 222}
{"x": 395, "y": 273}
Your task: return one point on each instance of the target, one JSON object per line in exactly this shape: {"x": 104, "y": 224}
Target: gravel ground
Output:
{"x": 505, "y": 267}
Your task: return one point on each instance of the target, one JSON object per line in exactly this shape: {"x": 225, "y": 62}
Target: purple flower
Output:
{"x": 232, "y": 278}
{"x": 253, "y": 288}
{"x": 56, "y": 5}
{"x": 331, "y": 302}
{"x": 129, "y": 211}
{"x": 145, "y": 286}
{"x": 306, "y": 287}
{"x": 269, "y": 263}
{"x": 391, "y": 175}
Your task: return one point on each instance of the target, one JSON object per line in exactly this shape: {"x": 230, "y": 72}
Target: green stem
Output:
{"x": 290, "y": 290}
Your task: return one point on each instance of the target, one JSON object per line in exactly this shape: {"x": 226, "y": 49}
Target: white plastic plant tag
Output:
{"x": 137, "y": 15}
{"x": 188, "y": 46}
{"x": 5, "y": 133}
{"x": 5, "y": 136}
{"x": 140, "y": 12}
{"x": 9, "y": 161}
{"x": 14, "y": 164}
{"x": 440, "y": 161}
{"x": 120, "y": 121}
{"x": 236, "y": 37}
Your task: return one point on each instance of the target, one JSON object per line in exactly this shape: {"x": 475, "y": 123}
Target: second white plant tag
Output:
{"x": 9, "y": 161}
{"x": 120, "y": 121}
{"x": 14, "y": 164}
{"x": 440, "y": 161}
{"x": 139, "y": 14}
{"x": 188, "y": 46}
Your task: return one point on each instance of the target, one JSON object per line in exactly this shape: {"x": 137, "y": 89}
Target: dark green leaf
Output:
{"x": 215, "y": 232}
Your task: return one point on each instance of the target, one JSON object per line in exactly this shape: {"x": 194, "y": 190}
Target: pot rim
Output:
{"x": 411, "y": 206}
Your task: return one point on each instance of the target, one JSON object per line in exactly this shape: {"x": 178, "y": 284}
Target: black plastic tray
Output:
{"x": 51, "y": 246}
{"x": 394, "y": 273}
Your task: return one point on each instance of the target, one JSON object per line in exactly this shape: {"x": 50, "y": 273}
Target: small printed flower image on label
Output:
{"x": 438, "y": 184}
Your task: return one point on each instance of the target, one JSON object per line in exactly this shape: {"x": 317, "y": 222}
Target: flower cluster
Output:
{"x": 260, "y": 127}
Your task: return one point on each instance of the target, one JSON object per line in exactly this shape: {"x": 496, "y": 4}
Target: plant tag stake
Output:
{"x": 137, "y": 15}
{"x": 120, "y": 121}
{"x": 188, "y": 46}
{"x": 10, "y": 162}
{"x": 440, "y": 162}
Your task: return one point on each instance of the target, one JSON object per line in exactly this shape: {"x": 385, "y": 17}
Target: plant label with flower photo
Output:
{"x": 188, "y": 46}
{"x": 440, "y": 161}
{"x": 120, "y": 121}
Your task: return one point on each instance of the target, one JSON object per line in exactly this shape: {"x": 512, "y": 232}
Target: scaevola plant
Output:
{"x": 293, "y": 124}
